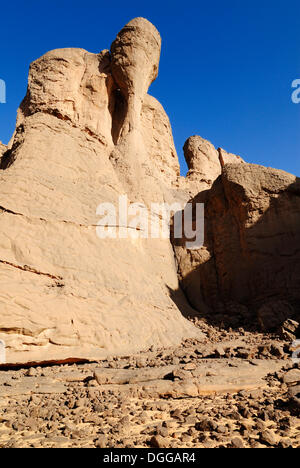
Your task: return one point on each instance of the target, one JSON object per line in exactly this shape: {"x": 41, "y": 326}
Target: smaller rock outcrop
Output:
{"x": 202, "y": 157}
{"x": 250, "y": 260}
{"x": 205, "y": 163}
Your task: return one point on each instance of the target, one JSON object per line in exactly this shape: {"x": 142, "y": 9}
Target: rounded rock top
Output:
{"x": 145, "y": 25}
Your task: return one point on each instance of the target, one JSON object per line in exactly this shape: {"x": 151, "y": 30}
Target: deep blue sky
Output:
{"x": 225, "y": 73}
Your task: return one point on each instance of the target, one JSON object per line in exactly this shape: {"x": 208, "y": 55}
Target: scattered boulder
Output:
{"x": 101, "y": 442}
{"x": 294, "y": 395}
{"x": 292, "y": 377}
{"x": 289, "y": 330}
{"x": 267, "y": 437}
{"x": 158, "y": 442}
{"x": 237, "y": 443}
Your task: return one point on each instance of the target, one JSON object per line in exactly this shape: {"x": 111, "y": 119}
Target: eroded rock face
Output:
{"x": 158, "y": 140}
{"x": 251, "y": 252}
{"x": 73, "y": 85}
{"x": 202, "y": 158}
{"x": 135, "y": 57}
{"x": 228, "y": 158}
{"x": 3, "y": 148}
{"x": 205, "y": 164}
{"x": 65, "y": 293}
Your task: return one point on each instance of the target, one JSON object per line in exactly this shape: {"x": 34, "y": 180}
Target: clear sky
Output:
{"x": 226, "y": 68}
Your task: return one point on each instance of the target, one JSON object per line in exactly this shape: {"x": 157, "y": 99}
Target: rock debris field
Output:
{"x": 235, "y": 389}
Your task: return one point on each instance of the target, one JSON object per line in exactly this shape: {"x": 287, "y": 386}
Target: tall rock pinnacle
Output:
{"x": 135, "y": 57}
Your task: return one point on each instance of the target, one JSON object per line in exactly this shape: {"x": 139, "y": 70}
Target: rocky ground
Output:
{"x": 236, "y": 389}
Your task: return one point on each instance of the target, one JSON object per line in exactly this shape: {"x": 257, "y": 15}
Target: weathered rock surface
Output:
{"x": 3, "y": 148}
{"x": 250, "y": 260}
{"x": 158, "y": 140}
{"x": 208, "y": 377}
{"x": 292, "y": 380}
{"x": 64, "y": 292}
{"x": 127, "y": 376}
{"x": 75, "y": 86}
{"x": 205, "y": 164}
{"x": 202, "y": 158}
{"x": 294, "y": 394}
{"x": 292, "y": 377}
{"x": 135, "y": 57}
{"x": 228, "y": 158}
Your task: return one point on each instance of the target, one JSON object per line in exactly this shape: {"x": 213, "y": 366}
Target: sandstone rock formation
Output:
{"x": 205, "y": 164}
{"x": 86, "y": 133}
{"x": 250, "y": 261}
{"x": 158, "y": 141}
{"x": 2, "y": 149}
{"x": 202, "y": 159}
{"x": 228, "y": 158}
{"x": 135, "y": 57}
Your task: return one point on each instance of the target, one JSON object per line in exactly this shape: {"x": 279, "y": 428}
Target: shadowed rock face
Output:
{"x": 251, "y": 253}
{"x": 205, "y": 164}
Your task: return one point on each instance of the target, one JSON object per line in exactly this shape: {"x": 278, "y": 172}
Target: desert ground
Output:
{"x": 236, "y": 389}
